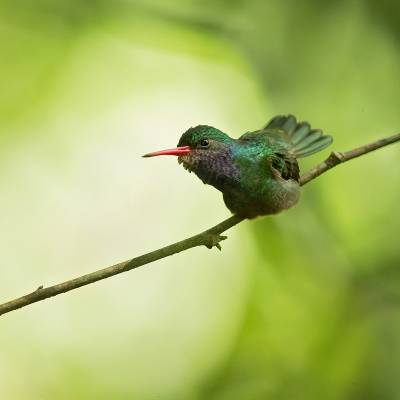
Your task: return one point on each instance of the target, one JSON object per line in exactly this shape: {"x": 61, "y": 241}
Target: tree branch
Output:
{"x": 336, "y": 158}
{"x": 209, "y": 238}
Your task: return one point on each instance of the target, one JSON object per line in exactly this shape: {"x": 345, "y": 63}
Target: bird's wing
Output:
{"x": 297, "y": 137}
{"x": 279, "y": 155}
{"x": 286, "y": 165}
{"x": 301, "y": 139}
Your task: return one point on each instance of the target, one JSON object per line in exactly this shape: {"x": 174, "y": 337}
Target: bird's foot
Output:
{"x": 213, "y": 239}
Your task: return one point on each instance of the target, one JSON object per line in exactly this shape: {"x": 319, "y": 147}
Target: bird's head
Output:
{"x": 199, "y": 148}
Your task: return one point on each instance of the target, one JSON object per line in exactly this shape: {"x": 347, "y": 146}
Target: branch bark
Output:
{"x": 209, "y": 238}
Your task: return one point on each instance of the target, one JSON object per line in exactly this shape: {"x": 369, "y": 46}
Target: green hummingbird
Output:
{"x": 258, "y": 173}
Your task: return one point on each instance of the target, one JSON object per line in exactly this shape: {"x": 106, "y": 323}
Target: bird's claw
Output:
{"x": 213, "y": 240}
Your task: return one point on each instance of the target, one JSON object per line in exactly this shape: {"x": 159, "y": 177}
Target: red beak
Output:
{"x": 178, "y": 151}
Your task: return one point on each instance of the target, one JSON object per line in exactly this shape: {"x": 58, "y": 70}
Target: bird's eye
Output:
{"x": 204, "y": 142}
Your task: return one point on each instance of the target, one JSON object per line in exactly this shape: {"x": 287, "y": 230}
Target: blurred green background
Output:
{"x": 304, "y": 305}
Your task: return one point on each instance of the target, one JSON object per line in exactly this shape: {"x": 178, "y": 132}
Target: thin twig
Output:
{"x": 336, "y": 158}
{"x": 209, "y": 238}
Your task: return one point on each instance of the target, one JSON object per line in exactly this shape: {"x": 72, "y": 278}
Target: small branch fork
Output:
{"x": 336, "y": 158}
{"x": 209, "y": 238}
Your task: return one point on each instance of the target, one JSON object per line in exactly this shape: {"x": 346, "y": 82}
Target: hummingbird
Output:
{"x": 258, "y": 173}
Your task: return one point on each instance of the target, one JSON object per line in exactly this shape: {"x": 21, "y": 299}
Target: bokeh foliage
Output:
{"x": 299, "y": 306}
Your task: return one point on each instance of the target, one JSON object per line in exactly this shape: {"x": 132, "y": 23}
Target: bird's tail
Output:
{"x": 305, "y": 141}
